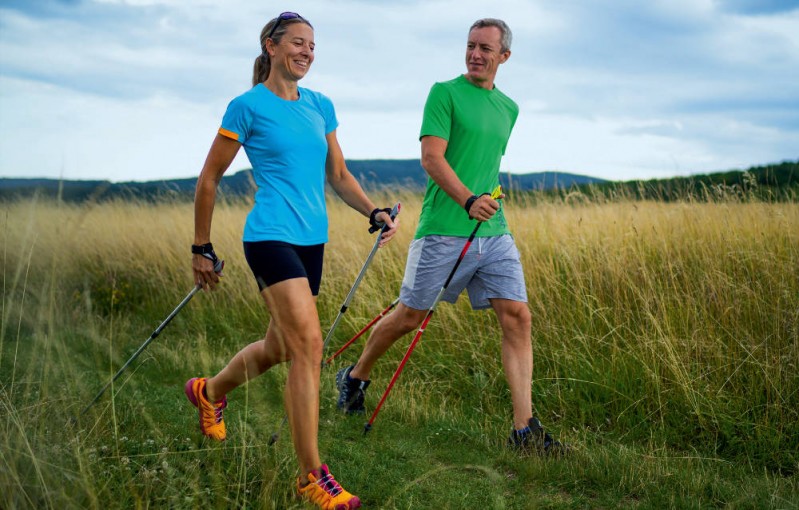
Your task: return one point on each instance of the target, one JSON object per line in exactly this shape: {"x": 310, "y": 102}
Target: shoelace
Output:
{"x": 330, "y": 485}
{"x": 218, "y": 410}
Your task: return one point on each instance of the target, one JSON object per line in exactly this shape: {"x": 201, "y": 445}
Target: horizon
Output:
{"x": 230, "y": 173}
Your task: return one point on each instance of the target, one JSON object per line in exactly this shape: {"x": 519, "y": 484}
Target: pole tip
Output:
{"x": 273, "y": 439}
{"x": 367, "y": 428}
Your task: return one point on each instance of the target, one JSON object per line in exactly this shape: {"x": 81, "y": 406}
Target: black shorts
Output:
{"x": 272, "y": 262}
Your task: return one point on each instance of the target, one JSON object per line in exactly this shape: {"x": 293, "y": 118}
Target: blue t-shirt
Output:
{"x": 285, "y": 142}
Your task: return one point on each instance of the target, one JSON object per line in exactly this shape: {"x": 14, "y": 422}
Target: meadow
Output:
{"x": 666, "y": 341}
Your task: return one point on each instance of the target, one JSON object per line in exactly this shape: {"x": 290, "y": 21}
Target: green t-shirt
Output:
{"x": 476, "y": 124}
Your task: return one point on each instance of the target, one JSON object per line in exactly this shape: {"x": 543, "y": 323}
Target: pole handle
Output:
{"x": 393, "y": 214}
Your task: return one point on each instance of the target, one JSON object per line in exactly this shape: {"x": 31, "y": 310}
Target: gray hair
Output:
{"x": 263, "y": 64}
{"x": 507, "y": 36}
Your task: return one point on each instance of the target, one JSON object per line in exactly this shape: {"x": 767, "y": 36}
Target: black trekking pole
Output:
{"x": 495, "y": 195}
{"x": 218, "y": 266}
{"x": 393, "y": 213}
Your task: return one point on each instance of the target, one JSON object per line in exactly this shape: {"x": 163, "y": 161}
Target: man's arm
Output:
{"x": 437, "y": 167}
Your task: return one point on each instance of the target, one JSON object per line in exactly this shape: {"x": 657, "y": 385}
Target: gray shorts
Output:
{"x": 490, "y": 269}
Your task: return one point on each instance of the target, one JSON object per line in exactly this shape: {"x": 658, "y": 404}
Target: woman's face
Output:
{"x": 294, "y": 55}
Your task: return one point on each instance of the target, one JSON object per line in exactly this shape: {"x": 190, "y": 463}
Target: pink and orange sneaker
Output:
{"x": 325, "y": 492}
{"x": 211, "y": 422}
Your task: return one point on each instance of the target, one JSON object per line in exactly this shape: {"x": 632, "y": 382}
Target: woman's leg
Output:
{"x": 295, "y": 318}
{"x": 250, "y": 362}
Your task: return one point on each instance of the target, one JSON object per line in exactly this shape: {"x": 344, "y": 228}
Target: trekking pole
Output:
{"x": 495, "y": 195}
{"x": 218, "y": 266}
{"x": 362, "y": 331}
{"x": 394, "y": 212}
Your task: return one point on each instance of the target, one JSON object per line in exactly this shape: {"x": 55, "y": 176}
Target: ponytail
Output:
{"x": 261, "y": 67}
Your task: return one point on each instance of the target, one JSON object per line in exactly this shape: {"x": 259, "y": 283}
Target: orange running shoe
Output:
{"x": 325, "y": 492}
{"x": 211, "y": 422}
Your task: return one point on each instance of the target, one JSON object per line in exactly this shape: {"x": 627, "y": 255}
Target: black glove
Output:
{"x": 374, "y": 224}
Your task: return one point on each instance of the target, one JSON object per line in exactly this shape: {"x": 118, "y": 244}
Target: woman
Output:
{"x": 289, "y": 134}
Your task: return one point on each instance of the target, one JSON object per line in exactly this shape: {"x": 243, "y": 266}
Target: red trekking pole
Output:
{"x": 495, "y": 195}
{"x": 362, "y": 331}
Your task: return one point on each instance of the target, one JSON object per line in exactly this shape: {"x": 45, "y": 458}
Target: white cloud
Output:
{"x": 135, "y": 89}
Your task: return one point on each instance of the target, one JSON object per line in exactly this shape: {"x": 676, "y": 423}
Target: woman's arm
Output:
{"x": 221, "y": 154}
{"x": 348, "y": 188}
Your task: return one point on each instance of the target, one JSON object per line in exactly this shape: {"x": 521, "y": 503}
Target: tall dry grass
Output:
{"x": 673, "y": 325}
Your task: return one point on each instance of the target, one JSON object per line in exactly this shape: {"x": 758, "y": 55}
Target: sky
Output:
{"x": 134, "y": 90}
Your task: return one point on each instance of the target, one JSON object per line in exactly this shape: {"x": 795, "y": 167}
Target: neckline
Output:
{"x": 470, "y": 82}
{"x": 299, "y": 94}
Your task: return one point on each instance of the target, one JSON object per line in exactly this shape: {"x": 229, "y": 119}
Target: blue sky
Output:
{"x": 619, "y": 89}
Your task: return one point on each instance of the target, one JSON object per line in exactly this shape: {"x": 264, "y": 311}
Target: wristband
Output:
{"x": 202, "y": 249}
{"x": 469, "y": 203}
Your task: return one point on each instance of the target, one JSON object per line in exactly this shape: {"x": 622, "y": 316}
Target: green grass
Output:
{"x": 666, "y": 339}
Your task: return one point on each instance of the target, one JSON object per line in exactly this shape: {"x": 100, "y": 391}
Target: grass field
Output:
{"x": 666, "y": 340}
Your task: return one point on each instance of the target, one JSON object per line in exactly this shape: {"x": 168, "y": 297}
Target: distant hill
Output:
{"x": 372, "y": 174}
{"x": 779, "y": 181}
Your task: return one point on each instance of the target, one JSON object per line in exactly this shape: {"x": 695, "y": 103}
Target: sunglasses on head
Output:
{"x": 283, "y": 17}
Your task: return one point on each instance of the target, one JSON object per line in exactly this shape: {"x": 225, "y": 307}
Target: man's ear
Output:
{"x": 504, "y": 56}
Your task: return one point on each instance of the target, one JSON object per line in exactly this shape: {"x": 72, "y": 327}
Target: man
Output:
{"x": 466, "y": 126}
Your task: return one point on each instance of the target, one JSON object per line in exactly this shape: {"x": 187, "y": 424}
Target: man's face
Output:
{"x": 484, "y": 54}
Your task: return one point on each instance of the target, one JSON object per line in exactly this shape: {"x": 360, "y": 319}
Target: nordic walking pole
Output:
{"x": 218, "y": 266}
{"x": 362, "y": 331}
{"x": 394, "y": 212}
{"x": 495, "y": 195}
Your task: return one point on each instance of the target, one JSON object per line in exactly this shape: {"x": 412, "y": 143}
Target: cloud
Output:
{"x": 136, "y": 88}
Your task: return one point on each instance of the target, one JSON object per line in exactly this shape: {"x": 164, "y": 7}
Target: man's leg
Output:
{"x": 517, "y": 356}
{"x": 430, "y": 260}
{"x": 401, "y": 321}
{"x": 528, "y": 434}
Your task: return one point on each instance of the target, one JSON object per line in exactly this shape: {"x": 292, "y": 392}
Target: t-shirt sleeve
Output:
{"x": 514, "y": 114}
{"x": 437, "y": 117}
{"x": 328, "y": 112}
{"x": 237, "y": 122}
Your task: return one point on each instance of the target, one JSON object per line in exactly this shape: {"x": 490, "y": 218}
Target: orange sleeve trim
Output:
{"x": 228, "y": 134}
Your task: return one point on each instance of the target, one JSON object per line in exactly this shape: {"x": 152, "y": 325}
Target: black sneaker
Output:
{"x": 534, "y": 440}
{"x": 350, "y": 391}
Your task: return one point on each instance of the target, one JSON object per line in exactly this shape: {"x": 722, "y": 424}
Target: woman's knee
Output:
{"x": 306, "y": 346}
